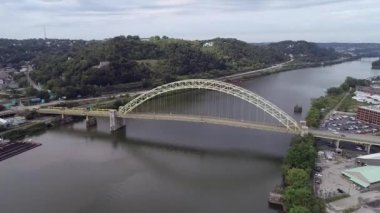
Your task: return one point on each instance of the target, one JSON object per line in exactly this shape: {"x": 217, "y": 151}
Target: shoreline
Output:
{"x": 286, "y": 66}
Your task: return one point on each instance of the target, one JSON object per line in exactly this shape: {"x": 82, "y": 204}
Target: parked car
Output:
{"x": 318, "y": 169}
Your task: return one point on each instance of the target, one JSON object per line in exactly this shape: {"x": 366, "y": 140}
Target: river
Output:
{"x": 224, "y": 170}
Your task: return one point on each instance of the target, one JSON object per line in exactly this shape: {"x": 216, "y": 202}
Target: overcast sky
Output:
{"x": 249, "y": 20}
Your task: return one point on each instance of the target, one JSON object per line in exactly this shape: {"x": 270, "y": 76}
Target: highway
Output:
{"x": 254, "y": 72}
{"x": 353, "y": 138}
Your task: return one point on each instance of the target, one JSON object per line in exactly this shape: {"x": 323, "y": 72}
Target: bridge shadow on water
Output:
{"x": 158, "y": 157}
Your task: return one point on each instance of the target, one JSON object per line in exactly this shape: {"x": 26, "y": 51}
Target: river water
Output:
{"x": 223, "y": 169}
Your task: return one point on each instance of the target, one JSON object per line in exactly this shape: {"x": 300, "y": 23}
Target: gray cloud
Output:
{"x": 251, "y": 20}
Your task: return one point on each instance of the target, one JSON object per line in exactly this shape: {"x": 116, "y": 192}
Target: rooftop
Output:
{"x": 363, "y": 176}
{"x": 375, "y": 156}
{"x": 375, "y": 108}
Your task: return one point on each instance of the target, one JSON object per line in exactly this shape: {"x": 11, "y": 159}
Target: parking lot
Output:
{"x": 329, "y": 182}
{"x": 342, "y": 123}
{"x": 331, "y": 177}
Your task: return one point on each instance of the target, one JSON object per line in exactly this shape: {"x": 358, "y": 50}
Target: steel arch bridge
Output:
{"x": 286, "y": 120}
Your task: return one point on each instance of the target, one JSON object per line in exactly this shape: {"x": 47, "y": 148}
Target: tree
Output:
{"x": 30, "y": 91}
{"x": 297, "y": 178}
{"x": 299, "y": 209}
{"x": 43, "y": 94}
{"x": 301, "y": 155}
{"x": 298, "y": 197}
{"x": 376, "y": 64}
{"x": 117, "y": 104}
{"x": 335, "y": 91}
{"x": 313, "y": 117}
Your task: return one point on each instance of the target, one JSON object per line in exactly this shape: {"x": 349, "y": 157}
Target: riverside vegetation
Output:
{"x": 298, "y": 170}
{"x": 322, "y": 105}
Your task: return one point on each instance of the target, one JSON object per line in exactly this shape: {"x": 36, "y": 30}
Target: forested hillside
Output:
{"x": 71, "y": 68}
{"x": 306, "y": 51}
{"x": 14, "y": 53}
{"x": 123, "y": 60}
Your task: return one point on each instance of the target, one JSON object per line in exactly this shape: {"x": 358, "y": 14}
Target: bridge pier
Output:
{"x": 337, "y": 144}
{"x": 65, "y": 119}
{"x": 367, "y": 148}
{"x": 90, "y": 121}
{"x": 115, "y": 122}
{"x": 304, "y": 129}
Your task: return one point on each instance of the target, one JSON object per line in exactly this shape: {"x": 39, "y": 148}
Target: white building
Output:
{"x": 372, "y": 159}
{"x": 367, "y": 97}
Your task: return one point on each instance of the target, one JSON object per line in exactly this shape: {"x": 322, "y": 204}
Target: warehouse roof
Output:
{"x": 375, "y": 108}
{"x": 375, "y": 156}
{"x": 364, "y": 176}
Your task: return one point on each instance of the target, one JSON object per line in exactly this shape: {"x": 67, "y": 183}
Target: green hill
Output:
{"x": 306, "y": 51}
{"x": 74, "y": 67}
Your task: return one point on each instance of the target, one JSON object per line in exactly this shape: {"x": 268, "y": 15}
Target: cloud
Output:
{"x": 251, "y": 20}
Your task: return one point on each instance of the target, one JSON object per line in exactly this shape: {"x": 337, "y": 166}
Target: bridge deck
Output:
{"x": 354, "y": 138}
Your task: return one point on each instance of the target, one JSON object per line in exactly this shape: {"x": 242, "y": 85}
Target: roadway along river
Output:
{"x": 82, "y": 171}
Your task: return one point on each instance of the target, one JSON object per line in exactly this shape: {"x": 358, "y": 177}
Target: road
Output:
{"x": 254, "y": 72}
{"x": 338, "y": 105}
{"x": 31, "y": 82}
{"x": 53, "y": 103}
{"x": 348, "y": 137}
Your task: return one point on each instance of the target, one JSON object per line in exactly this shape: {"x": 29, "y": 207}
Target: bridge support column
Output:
{"x": 304, "y": 129}
{"x": 65, "y": 119}
{"x": 368, "y": 148}
{"x": 337, "y": 144}
{"x": 90, "y": 121}
{"x": 115, "y": 122}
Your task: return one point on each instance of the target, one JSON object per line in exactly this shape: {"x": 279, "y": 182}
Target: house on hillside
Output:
{"x": 6, "y": 81}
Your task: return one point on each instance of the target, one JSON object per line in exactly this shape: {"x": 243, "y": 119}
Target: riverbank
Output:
{"x": 286, "y": 66}
{"x": 22, "y": 131}
{"x": 298, "y": 168}
{"x": 35, "y": 126}
{"x": 335, "y": 98}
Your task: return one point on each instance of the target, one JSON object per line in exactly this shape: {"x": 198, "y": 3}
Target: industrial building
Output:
{"x": 366, "y": 176}
{"x": 373, "y": 89}
{"x": 370, "y": 114}
{"x": 371, "y": 160}
{"x": 12, "y": 122}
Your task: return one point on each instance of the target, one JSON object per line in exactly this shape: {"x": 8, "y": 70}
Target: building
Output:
{"x": 3, "y": 122}
{"x": 102, "y": 64}
{"x": 6, "y": 81}
{"x": 208, "y": 44}
{"x": 16, "y": 121}
{"x": 370, "y": 114}
{"x": 366, "y": 176}
{"x": 373, "y": 89}
{"x": 367, "y": 97}
{"x": 371, "y": 160}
